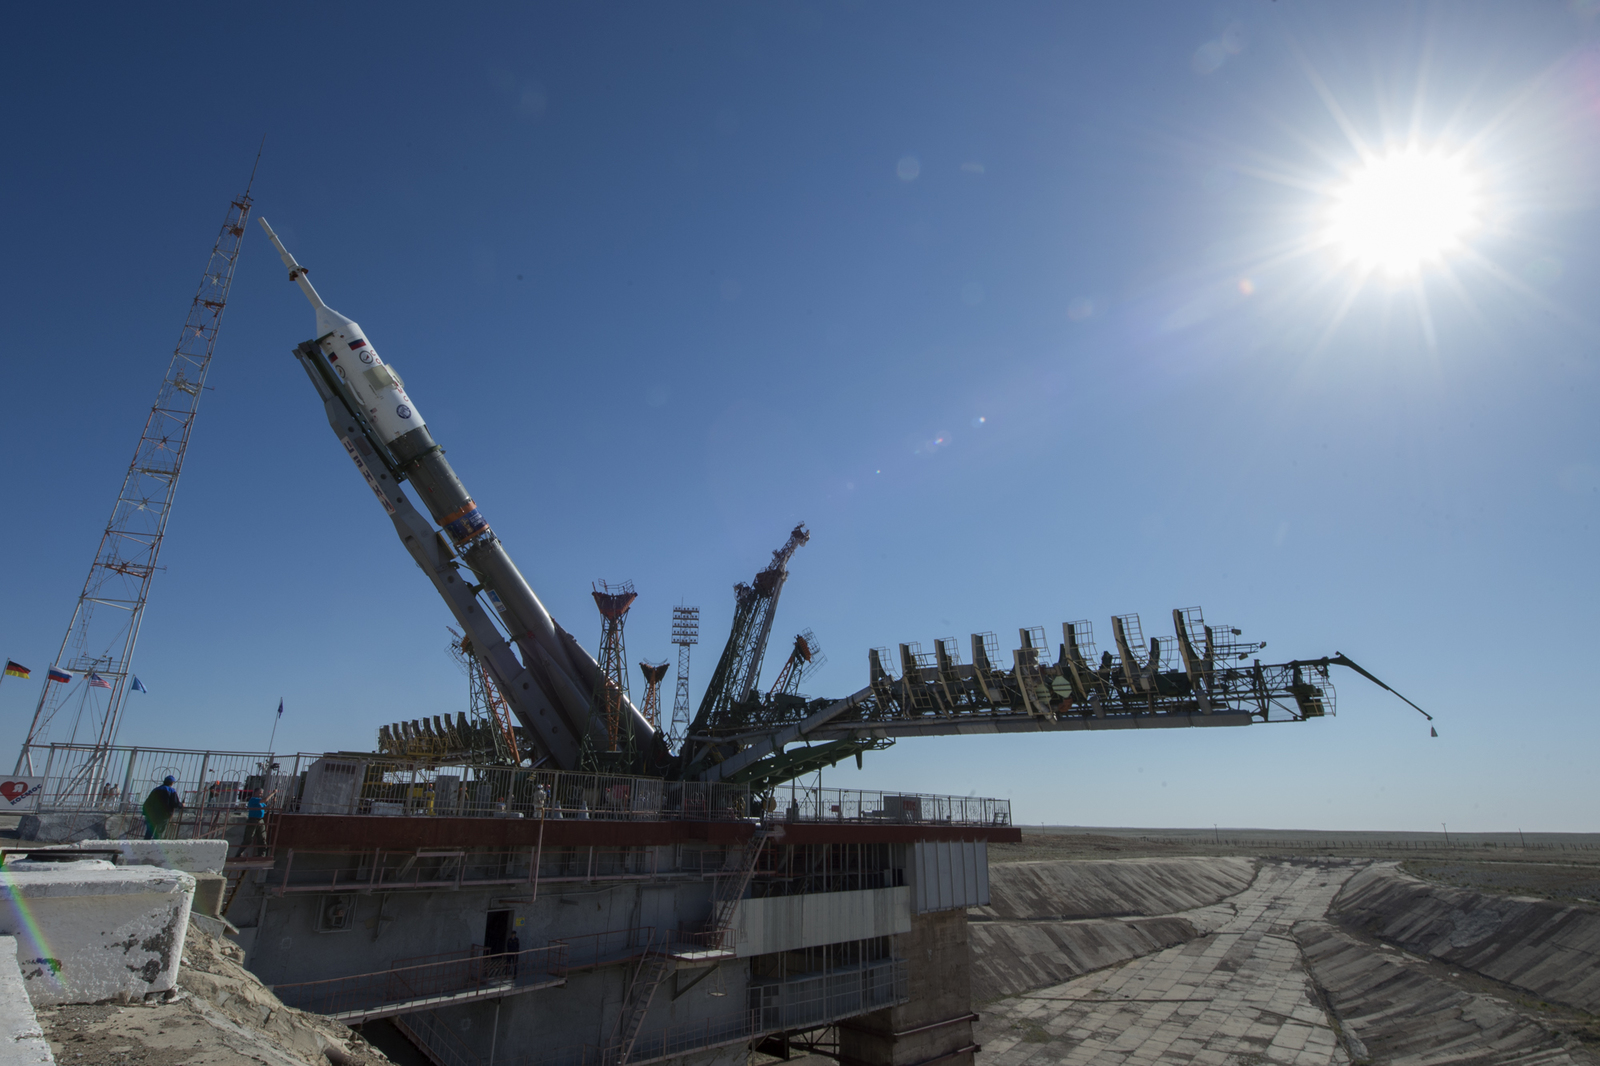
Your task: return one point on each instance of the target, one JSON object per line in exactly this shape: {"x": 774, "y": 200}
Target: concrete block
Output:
{"x": 190, "y": 856}
{"x": 69, "y": 828}
{"x": 208, "y": 890}
{"x": 90, "y": 931}
{"x": 22, "y": 1042}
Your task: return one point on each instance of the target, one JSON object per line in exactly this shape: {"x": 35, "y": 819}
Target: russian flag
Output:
{"x": 96, "y": 681}
{"x": 58, "y": 674}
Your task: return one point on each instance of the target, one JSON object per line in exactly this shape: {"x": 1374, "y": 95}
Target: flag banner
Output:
{"x": 15, "y": 669}
{"x": 138, "y": 686}
{"x": 280, "y": 708}
{"x": 58, "y": 674}
{"x": 96, "y": 681}
{"x": 20, "y": 793}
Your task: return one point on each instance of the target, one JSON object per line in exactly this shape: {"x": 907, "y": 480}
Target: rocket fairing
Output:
{"x": 567, "y": 675}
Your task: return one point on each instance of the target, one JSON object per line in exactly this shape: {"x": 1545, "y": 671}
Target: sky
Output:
{"x": 1032, "y": 313}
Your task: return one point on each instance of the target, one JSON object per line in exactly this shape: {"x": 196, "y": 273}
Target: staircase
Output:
{"x": 731, "y": 886}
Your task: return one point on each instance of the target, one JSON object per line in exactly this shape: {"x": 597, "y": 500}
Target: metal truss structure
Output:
{"x": 685, "y": 634}
{"x": 98, "y": 647}
{"x": 653, "y": 674}
{"x": 739, "y": 669}
{"x": 611, "y": 687}
{"x": 1202, "y": 676}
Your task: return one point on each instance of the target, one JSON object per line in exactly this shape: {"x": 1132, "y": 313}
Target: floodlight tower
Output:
{"x": 97, "y": 651}
{"x": 685, "y": 634}
{"x": 611, "y": 688}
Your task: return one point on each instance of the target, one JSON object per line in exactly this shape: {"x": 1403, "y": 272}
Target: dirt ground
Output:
{"x": 1046, "y": 844}
{"x": 220, "y": 1016}
{"x": 1562, "y": 882}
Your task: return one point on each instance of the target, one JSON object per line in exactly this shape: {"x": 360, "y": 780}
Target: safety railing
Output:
{"x": 800, "y": 804}
{"x": 417, "y": 983}
{"x": 799, "y": 1003}
{"x": 214, "y": 786}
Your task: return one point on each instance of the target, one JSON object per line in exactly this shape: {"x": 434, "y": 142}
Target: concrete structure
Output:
{"x": 22, "y": 1042}
{"x": 190, "y": 856}
{"x": 639, "y": 939}
{"x": 91, "y": 931}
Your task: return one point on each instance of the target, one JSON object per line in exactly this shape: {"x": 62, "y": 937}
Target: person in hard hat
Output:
{"x": 159, "y": 807}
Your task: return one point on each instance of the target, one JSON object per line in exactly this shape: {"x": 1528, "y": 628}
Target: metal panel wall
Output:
{"x": 949, "y": 875}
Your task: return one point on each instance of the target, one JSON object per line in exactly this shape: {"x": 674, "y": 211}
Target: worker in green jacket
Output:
{"x": 159, "y": 807}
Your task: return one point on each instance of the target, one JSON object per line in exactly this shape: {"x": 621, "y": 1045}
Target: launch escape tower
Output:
{"x": 685, "y": 634}
{"x": 99, "y": 643}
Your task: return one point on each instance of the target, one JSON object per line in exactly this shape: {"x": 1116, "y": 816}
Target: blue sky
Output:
{"x": 1020, "y": 307}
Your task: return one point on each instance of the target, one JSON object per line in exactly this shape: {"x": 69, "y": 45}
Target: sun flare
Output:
{"x": 1400, "y": 211}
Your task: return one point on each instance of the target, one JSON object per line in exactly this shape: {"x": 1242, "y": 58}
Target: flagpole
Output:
{"x": 275, "y": 720}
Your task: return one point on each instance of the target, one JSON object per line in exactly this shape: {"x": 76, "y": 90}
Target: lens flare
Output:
{"x": 1403, "y": 210}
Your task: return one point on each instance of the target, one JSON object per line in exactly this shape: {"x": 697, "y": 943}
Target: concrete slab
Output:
{"x": 190, "y": 856}
{"x": 22, "y": 1041}
{"x": 90, "y": 931}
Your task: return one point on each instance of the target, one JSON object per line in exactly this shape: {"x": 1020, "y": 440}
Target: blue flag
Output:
{"x": 138, "y": 686}
{"x": 280, "y": 706}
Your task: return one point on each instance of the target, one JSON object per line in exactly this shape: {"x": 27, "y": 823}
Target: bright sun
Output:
{"x": 1402, "y": 210}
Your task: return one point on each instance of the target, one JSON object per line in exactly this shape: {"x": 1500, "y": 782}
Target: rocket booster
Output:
{"x": 567, "y": 674}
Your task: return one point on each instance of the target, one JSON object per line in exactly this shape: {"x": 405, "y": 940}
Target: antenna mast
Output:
{"x": 105, "y": 623}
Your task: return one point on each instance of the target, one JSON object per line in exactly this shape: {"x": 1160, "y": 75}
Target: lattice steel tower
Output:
{"x": 105, "y": 623}
{"x": 653, "y": 673}
{"x": 685, "y": 634}
{"x": 612, "y": 687}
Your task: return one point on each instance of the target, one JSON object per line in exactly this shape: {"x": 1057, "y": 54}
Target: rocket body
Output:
{"x": 566, "y": 674}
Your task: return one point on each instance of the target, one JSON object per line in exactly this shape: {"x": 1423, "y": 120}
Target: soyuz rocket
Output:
{"x": 551, "y": 688}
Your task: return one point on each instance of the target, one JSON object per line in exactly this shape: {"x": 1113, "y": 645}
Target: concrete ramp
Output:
{"x": 1392, "y": 1010}
{"x": 1013, "y": 957}
{"x": 1049, "y": 922}
{"x": 1110, "y": 888}
{"x": 1546, "y": 948}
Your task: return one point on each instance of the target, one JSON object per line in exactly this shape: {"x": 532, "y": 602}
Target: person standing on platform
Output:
{"x": 513, "y": 950}
{"x": 159, "y": 807}
{"x": 255, "y": 822}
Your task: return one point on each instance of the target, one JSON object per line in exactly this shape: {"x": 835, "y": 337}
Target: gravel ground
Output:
{"x": 220, "y": 1016}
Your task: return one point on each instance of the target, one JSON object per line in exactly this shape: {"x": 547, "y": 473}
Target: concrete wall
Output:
{"x": 936, "y": 1023}
{"x": 783, "y": 923}
{"x": 1112, "y": 888}
{"x": 1546, "y": 948}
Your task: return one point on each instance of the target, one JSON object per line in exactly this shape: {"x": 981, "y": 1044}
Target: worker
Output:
{"x": 513, "y": 949}
{"x": 159, "y": 807}
{"x": 255, "y": 821}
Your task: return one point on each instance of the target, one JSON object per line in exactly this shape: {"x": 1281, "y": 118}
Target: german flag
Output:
{"x": 16, "y": 670}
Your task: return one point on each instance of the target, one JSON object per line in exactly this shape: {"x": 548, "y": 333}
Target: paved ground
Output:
{"x": 1240, "y": 994}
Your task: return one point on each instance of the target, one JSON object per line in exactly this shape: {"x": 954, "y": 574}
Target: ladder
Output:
{"x": 656, "y": 964}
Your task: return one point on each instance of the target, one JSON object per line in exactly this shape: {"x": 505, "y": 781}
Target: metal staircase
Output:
{"x": 656, "y": 963}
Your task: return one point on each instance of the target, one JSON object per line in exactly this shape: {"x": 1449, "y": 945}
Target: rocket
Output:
{"x": 393, "y": 430}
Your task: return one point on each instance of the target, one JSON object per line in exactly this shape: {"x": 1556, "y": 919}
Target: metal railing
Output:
{"x": 800, "y": 804}
{"x": 83, "y": 779}
{"x": 799, "y": 1003}
{"x": 213, "y": 785}
{"x": 415, "y": 984}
